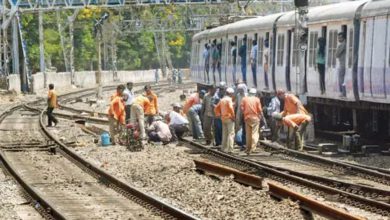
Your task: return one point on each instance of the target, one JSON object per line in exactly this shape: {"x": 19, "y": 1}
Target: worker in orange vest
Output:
{"x": 225, "y": 110}
{"x": 116, "y": 113}
{"x": 253, "y": 112}
{"x": 137, "y": 114}
{"x": 292, "y": 105}
{"x": 298, "y": 123}
{"x": 152, "y": 109}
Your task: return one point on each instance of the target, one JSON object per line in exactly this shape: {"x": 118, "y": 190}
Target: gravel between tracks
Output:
{"x": 169, "y": 173}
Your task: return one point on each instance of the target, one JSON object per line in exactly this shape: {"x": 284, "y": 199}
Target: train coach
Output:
{"x": 365, "y": 26}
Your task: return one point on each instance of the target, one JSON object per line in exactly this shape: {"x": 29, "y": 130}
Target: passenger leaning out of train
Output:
{"x": 152, "y": 109}
{"x": 242, "y": 54}
{"x": 225, "y": 110}
{"x": 340, "y": 54}
{"x": 253, "y": 112}
{"x": 292, "y": 105}
{"x": 116, "y": 112}
{"x": 297, "y": 124}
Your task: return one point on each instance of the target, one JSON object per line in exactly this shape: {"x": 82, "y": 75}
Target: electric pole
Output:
{"x": 98, "y": 34}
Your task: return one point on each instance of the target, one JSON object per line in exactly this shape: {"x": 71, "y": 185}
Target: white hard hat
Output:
{"x": 252, "y": 91}
{"x": 230, "y": 90}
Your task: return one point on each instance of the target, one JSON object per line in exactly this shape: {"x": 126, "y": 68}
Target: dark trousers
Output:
{"x": 253, "y": 67}
{"x": 206, "y": 72}
{"x": 321, "y": 71}
{"x": 50, "y": 117}
{"x": 218, "y": 131}
{"x": 153, "y": 136}
{"x": 243, "y": 70}
{"x": 178, "y": 131}
{"x": 128, "y": 112}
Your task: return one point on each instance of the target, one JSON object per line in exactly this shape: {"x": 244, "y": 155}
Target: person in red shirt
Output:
{"x": 297, "y": 123}
{"x": 225, "y": 110}
{"x": 252, "y": 111}
{"x": 116, "y": 113}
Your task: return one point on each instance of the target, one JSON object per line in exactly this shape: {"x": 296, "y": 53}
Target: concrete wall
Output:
{"x": 14, "y": 82}
{"x": 85, "y": 78}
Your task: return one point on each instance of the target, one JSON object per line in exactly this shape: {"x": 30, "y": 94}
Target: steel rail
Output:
{"x": 360, "y": 171}
{"x": 305, "y": 202}
{"x": 350, "y": 198}
{"x": 115, "y": 183}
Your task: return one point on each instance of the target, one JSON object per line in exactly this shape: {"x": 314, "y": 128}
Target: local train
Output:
{"x": 366, "y": 28}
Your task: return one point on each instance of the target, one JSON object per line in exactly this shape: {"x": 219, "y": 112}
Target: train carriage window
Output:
{"x": 350, "y": 48}
{"x": 260, "y": 44}
{"x": 332, "y": 42}
{"x": 313, "y": 48}
{"x": 280, "y": 51}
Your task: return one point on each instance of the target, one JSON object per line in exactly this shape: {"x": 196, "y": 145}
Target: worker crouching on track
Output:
{"x": 116, "y": 113}
{"x": 51, "y": 105}
{"x": 225, "y": 110}
{"x": 177, "y": 122}
{"x": 253, "y": 112}
{"x": 152, "y": 109}
{"x": 140, "y": 104}
{"x": 159, "y": 131}
{"x": 298, "y": 122}
{"x": 194, "y": 99}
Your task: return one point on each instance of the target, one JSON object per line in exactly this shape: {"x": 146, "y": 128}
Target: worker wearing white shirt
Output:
{"x": 177, "y": 122}
{"x": 129, "y": 99}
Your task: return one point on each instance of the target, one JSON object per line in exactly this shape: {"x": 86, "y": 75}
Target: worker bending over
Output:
{"x": 138, "y": 109}
{"x": 225, "y": 110}
{"x": 296, "y": 122}
{"x": 159, "y": 131}
{"x": 116, "y": 113}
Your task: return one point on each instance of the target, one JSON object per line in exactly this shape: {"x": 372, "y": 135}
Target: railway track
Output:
{"x": 62, "y": 185}
{"x": 352, "y": 196}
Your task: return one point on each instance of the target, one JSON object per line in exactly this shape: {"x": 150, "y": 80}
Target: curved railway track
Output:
{"x": 62, "y": 185}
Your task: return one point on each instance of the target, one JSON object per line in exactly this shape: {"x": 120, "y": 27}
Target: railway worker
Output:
{"x": 194, "y": 118}
{"x": 320, "y": 60}
{"x": 116, "y": 113}
{"x": 128, "y": 96}
{"x": 274, "y": 107}
{"x": 253, "y": 57}
{"x": 52, "y": 103}
{"x": 233, "y": 53}
{"x": 298, "y": 123}
{"x": 340, "y": 54}
{"x": 292, "y": 105}
{"x": 195, "y": 98}
{"x": 138, "y": 109}
{"x": 159, "y": 131}
{"x": 239, "y": 122}
{"x": 206, "y": 57}
{"x": 242, "y": 54}
{"x": 178, "y": 124}
{"x": 152, "y": 109}
{"x": 265, "y": 62}
{"x": 253, "y": 112}
{"x": 219, "y": 94}
{"x": 208, "y": 114}
{"x": 225, "y": 110}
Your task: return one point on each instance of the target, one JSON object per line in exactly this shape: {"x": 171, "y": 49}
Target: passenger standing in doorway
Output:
{"x": 128, "y": 96}
{"x": 214, "y": 58}
{"x": 219, "y": 64}
{"x": 340, "y": 54}
{"x": 320, "y": 60}
{"x": 233, "y": 52}
{"x": 51, "y": 105}
{"x": 265, "y": 62}
{"x": 206, "y": 57}
{"x": 242, "y": 54}
{"x": 254, "y": 61}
